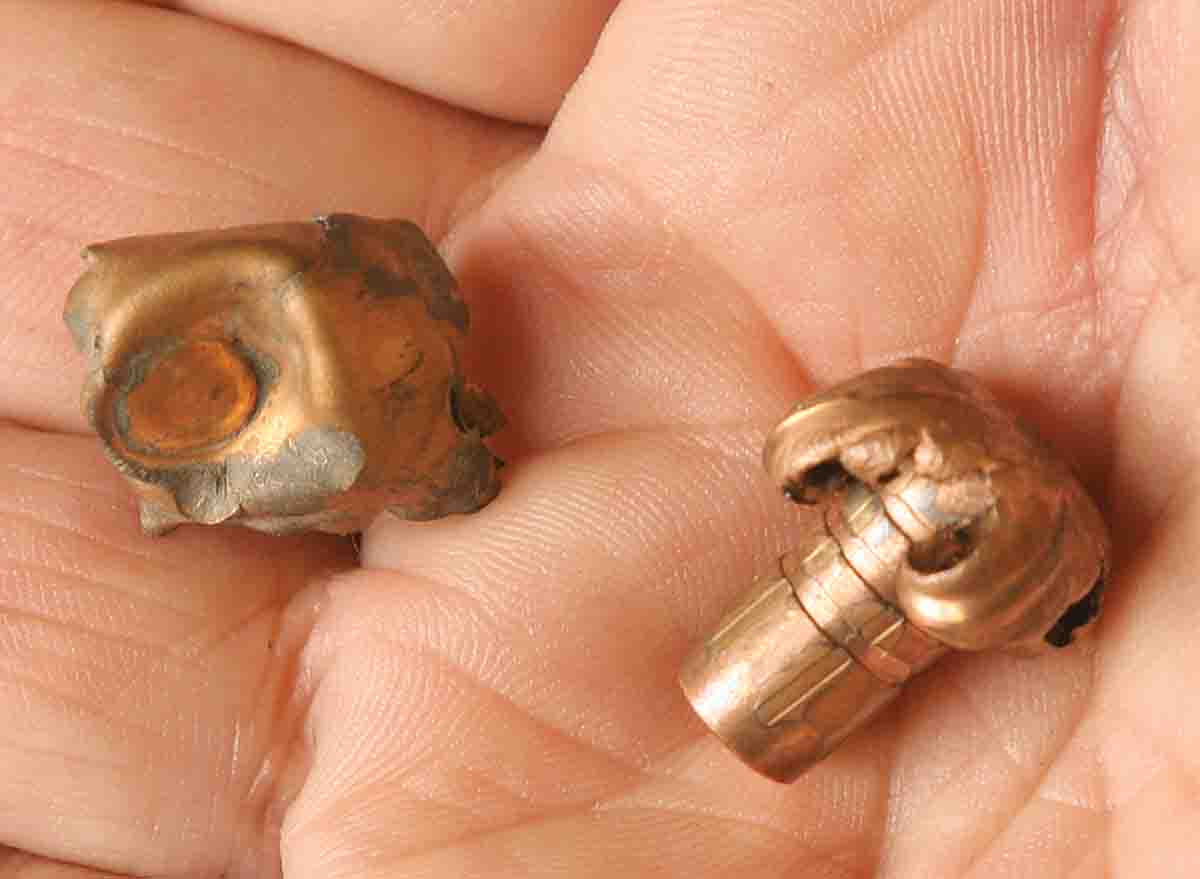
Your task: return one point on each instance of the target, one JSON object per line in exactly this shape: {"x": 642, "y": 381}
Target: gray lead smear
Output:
{"x": 282, "y": 493}
{"x": 309, "y": 468}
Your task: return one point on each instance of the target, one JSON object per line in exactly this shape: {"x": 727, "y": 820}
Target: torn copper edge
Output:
{"x": 947, "y": 526}
{"x": 284, "y": 377}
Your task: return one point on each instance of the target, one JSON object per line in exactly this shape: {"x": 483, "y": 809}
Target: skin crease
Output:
{"x": 735, "y": 203}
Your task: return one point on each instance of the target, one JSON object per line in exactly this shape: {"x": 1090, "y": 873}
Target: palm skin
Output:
{"x": 736, "y": 202}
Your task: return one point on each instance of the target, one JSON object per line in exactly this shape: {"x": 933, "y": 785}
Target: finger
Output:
{"x": 120, "y": 119}
{"x": 865, "y": 183}
{"x": 513, "y": 59}
{"x": 1150, "y": 253}
{"x": 20, "y": 865}
{"x": 148, "y": 686}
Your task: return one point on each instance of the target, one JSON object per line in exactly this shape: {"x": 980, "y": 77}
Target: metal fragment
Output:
{"x": 284, "y": 377}
{"x": 947, "y": 526}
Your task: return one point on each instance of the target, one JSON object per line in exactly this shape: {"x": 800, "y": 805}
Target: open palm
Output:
{"x": 737, "y": 201}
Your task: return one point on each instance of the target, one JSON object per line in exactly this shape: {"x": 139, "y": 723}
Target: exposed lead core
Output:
{"x": 946, "y": 525}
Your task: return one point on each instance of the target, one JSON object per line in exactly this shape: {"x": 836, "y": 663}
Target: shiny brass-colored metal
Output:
{"x": 285, "y": 377}
{"x": 947, "y": 525}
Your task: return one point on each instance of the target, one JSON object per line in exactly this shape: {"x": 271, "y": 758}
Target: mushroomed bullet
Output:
{"x": 284, "y": 377}
{"x": 947, "y": 526}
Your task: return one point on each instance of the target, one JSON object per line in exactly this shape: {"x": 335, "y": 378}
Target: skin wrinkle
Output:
{"x": 625, "y": 774}
{"x": 164, "y": 660}
{"x": 107, "y": 176}
{"x": 543, "y": 816}
{"x": 1084, "y": 853}
{"x": 203, "y": 643}
{"x": 1134, "y": 506}
{"x": 1117, "y": 816}
{"x": 9, "y": 610}
{"x": 118, "y": 497}
{"x": 157, "y": 565}
{"x": 869, "y": 49}
{"x": 1116, "y": 810}
{"x": 460, "y": 673}
{"x": 181, "y": 655}
{"x": 1001, "y": 823}
{"x": 763, "y": 548}
{"x": 488, "y": 624}
{"x": 951, "y": 680}
{"x": 509, "y": 529}
{"x": 76, "y": 534}
{"x": 524, "y": 228}
{"x": 889, "y": 721}
{"x": 1081, "y": 851}
{"x": 82, "y": 673}
{"x": 1028, "y": 72}
{"x": 769, "y": 833}
{"x": 58, "y": 754}
{"x": 978, "y": 259}
{"x": 128, "y": 133}
{"x": 62, "y": 698}
{"x": 665, "y": 421}
{"x": 1160, "y": 744}
{"x": 90, "y": 583}
{"x": 450, "y": 199}
{"x": 754, "y": 843}
{"x": 1037, "y": 780}
{"x": 1176, "y": 500}
{"x": 890, "y": 33}
{"x": 994, "y": 323}
{"x": 678, "y": 777}
{"x": 1123, "y": 99}
{"x": 1104, "y": 228}
{"x": 856, "y": 335}
{"x": 291, "y": 712}
{"x": 472, "y": 197}
{"x": 651, "y": 214}
{"x": 1183, "y": 497}
{"x": 1115, "y": 667}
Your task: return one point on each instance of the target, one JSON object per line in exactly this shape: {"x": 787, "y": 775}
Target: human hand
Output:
{"x": 736, "y": 203}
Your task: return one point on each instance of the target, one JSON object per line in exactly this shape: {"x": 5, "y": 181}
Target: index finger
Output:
{"x": 119, "y": 119}
{"x": 514, "y": 59}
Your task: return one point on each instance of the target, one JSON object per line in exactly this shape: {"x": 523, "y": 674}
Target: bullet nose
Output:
{"x": 196, "y": 395}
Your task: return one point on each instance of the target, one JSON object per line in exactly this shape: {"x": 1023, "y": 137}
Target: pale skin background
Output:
{"x": 737, "y": 201}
